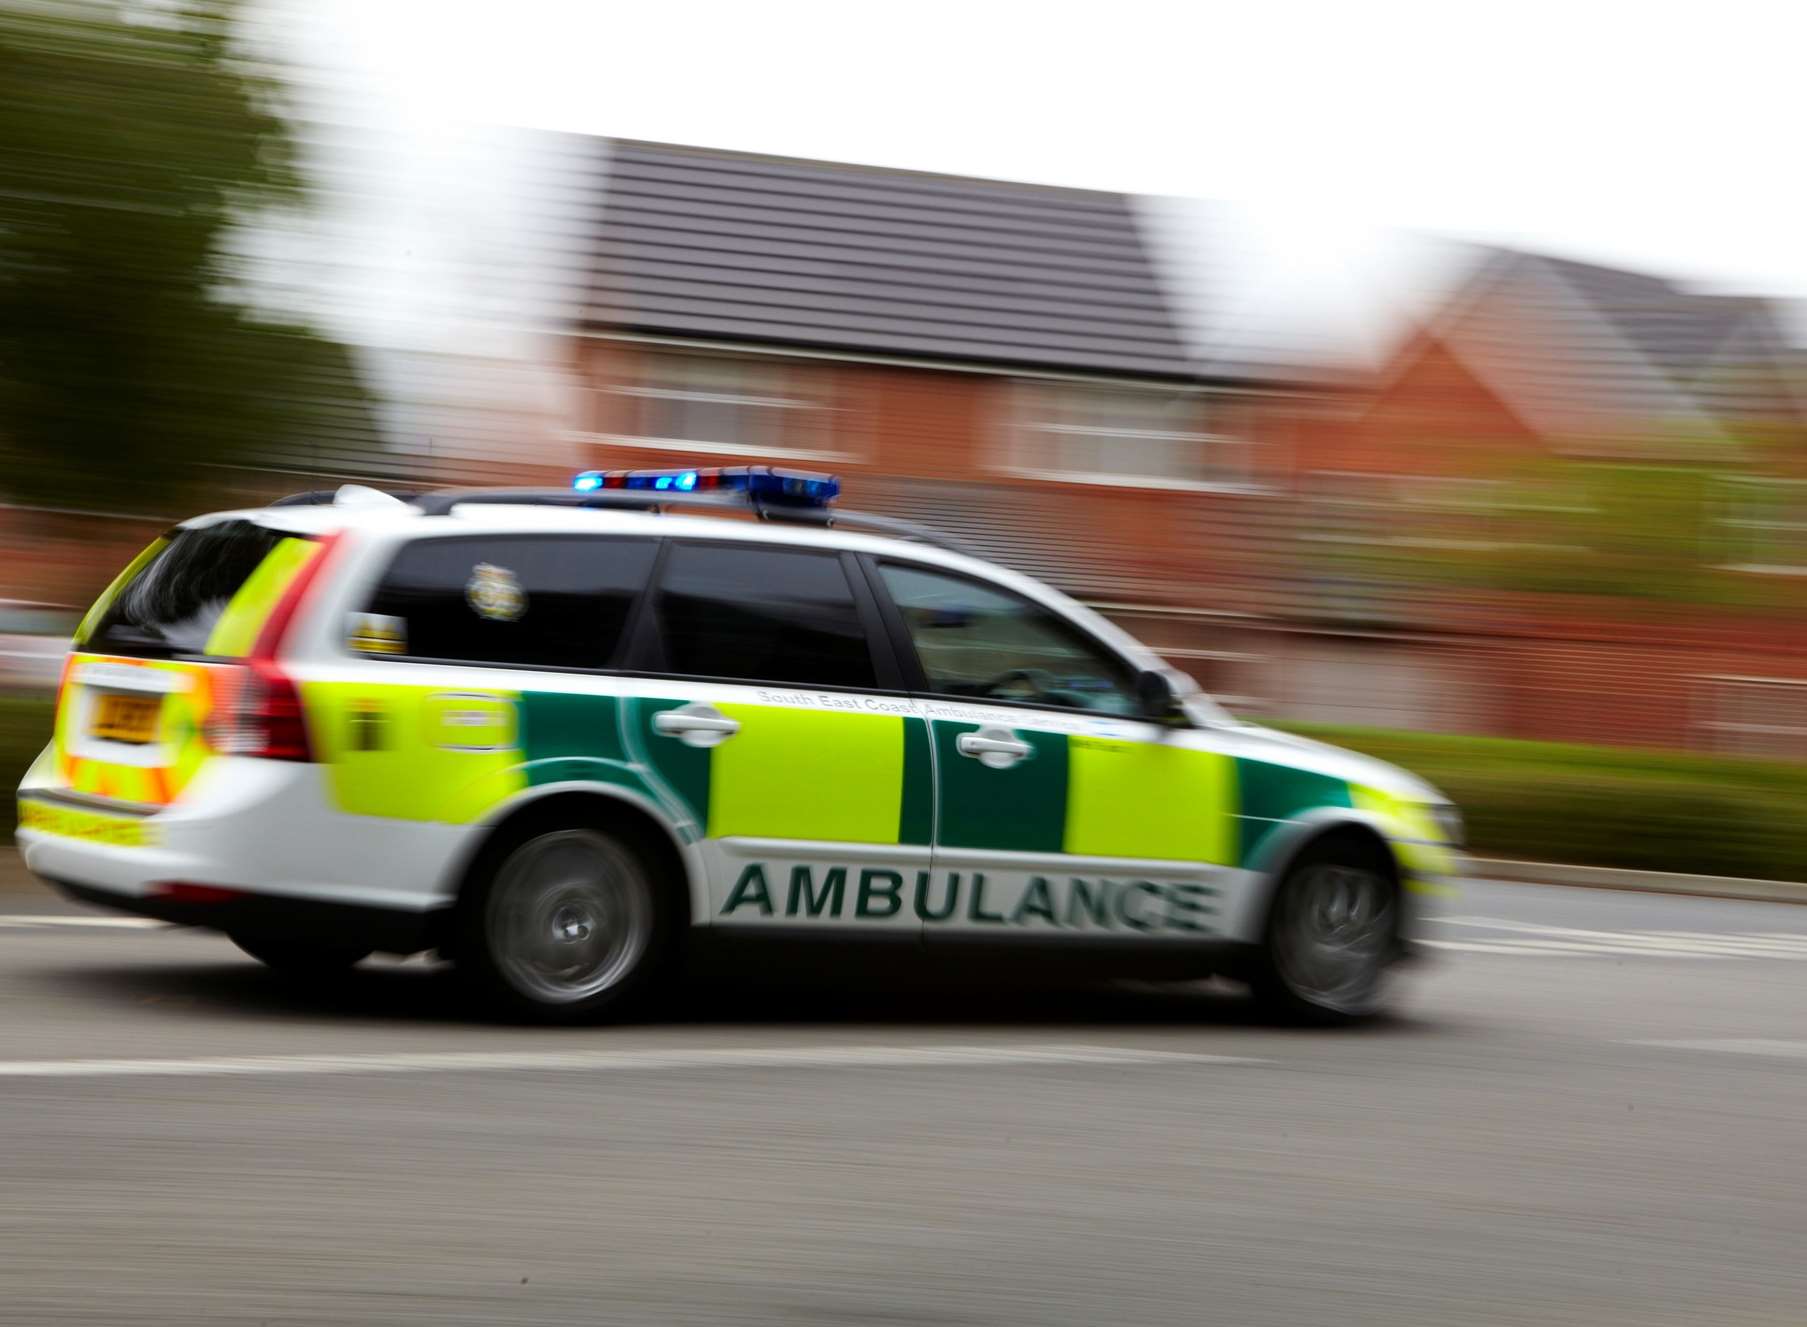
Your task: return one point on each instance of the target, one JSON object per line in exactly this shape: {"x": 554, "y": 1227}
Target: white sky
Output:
{"x": 1653, "y": 135}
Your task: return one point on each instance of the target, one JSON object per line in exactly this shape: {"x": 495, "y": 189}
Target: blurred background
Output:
{"x": 1401, "y": 393}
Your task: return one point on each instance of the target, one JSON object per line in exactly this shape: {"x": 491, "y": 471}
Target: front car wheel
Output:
{"x": 1331, "y": 934}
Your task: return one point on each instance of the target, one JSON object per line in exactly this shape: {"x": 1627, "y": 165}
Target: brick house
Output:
{"x": 1534, "y": 359}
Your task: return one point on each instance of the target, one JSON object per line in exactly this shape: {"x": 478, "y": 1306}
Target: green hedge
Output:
{"x": 24, "y": 731}
{"x": 1607, "y": 806}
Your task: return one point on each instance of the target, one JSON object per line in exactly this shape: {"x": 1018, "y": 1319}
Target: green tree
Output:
{"x": 132, "y": 140}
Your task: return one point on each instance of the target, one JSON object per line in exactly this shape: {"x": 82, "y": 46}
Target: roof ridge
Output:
{"x": 824, "y": 164}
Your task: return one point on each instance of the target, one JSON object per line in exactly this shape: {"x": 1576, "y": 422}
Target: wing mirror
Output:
{"x": 1156, "y": 696}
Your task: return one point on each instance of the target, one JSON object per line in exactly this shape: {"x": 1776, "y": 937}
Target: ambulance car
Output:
{"x": 558, "y": 736}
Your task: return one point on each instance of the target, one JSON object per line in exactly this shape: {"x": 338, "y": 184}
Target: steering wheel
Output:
{"x": 1041, "y": 683}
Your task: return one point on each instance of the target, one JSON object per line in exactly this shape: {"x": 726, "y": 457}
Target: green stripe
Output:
{"x": 1019, "y": 809}
{"x": 576, "y": 769}
{"x": 557, "y": 724}
{"x": 684, "y": 769}
{"x": 1272, "y": 794}
{"x": 916, "y": 811}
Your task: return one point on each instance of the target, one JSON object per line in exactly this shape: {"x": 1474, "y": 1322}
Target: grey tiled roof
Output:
{"x": 1678, "y": 330}
{"x": 1579, "y": 347}
{"x": 720, "y": 245}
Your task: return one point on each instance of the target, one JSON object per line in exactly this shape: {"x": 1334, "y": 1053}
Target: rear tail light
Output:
{"x": 265, "y": 718}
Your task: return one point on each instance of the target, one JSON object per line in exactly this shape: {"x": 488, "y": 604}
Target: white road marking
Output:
{"x": 1497, "y": 947}
{"x": 1770, "y": 1046}
{"x": 32, "y": 920}
{"x": 1772, "y": 940}
{"x": 1562, "y": 948}
{"x": 776, "y": 1057}
{"x": 1536, "y": 938}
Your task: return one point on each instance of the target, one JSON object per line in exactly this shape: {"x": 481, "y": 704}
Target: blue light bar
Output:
{"x": 762, "y": 483}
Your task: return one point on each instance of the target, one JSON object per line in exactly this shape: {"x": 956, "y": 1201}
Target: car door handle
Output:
{"x": 696, "y": 725}
{"x": 994, "y": 748}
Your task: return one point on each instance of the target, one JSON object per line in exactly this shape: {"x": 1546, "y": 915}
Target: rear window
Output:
{"x": 526, "y": 601}
{"x": 177, "y": 599}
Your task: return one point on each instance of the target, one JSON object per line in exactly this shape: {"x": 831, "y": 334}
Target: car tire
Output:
{"x": 1332, "y": 931}
{"x": 301, "y": 958}
{"x": 563, "y": 924}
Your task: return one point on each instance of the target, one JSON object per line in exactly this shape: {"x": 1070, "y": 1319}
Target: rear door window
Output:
{"x": 762, "y": 615}
{"x": 174, "y": 603}
{"x": 524, "y": 601}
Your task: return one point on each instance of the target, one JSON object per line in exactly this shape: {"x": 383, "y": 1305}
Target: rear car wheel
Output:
{"x": 565, "y": 925}
{"x": 1332, "y": 931}
{"x": 301, "y": 958}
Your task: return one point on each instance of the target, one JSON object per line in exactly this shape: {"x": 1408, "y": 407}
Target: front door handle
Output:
{"x": 696, "y": 725}
{"x": 993, "y": 747}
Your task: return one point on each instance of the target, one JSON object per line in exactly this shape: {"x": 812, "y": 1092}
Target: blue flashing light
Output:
{"x": 760, "y": 483}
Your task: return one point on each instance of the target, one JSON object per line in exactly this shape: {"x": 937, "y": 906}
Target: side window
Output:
{"x": 980, "y": 642}
{"x": 761, "y": 615}
{"x": 547, "y": 601}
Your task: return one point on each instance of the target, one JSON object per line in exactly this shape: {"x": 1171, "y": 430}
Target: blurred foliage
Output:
{"x": 132, "y": 140}
{"x": 25, "y": 726}
{"x": 1607, "y": 806}
{"x": 1623, "y": 529}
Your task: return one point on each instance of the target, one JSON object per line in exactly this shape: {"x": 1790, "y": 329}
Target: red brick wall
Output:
{"x": 1429, "y": 414}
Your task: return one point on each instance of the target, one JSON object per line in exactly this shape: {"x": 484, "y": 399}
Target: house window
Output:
{"x": 728, "y": 405}
{"x": 1121, "y": 435}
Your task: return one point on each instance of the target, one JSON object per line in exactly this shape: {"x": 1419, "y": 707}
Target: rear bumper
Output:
{"x": 389, "y": 930}
{"x": 264, "y": 829}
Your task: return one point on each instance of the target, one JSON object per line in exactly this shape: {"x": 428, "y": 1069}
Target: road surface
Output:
{"x": 1592, "y": 1109}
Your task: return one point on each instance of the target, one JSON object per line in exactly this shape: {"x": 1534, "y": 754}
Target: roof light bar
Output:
{"x": 789, "y": 488}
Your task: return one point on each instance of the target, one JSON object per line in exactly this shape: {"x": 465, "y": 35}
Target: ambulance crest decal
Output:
{"x": 494, "y": 593}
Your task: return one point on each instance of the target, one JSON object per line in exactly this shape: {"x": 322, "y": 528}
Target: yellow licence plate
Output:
{"x": 120, "y": 718}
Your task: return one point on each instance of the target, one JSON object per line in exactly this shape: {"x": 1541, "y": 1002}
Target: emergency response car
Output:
{"x": 558, "y": 735}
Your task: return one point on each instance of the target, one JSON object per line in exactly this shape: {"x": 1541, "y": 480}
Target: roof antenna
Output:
{"x": 362, "y": 495}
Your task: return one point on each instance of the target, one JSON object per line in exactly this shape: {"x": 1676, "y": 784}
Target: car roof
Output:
{"x": 394, "y": 519}
{"x": 491, "y": 517}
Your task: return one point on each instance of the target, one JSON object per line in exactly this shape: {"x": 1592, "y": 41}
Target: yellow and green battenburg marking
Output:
{"x": 412, "y": 752}
{"x": 793, "y": 773}
{"x": 182, "y": 719}
{"x": 421, "y": 753}
{"x": 417, "y": 753}
{"x": 1095, "y": 796}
